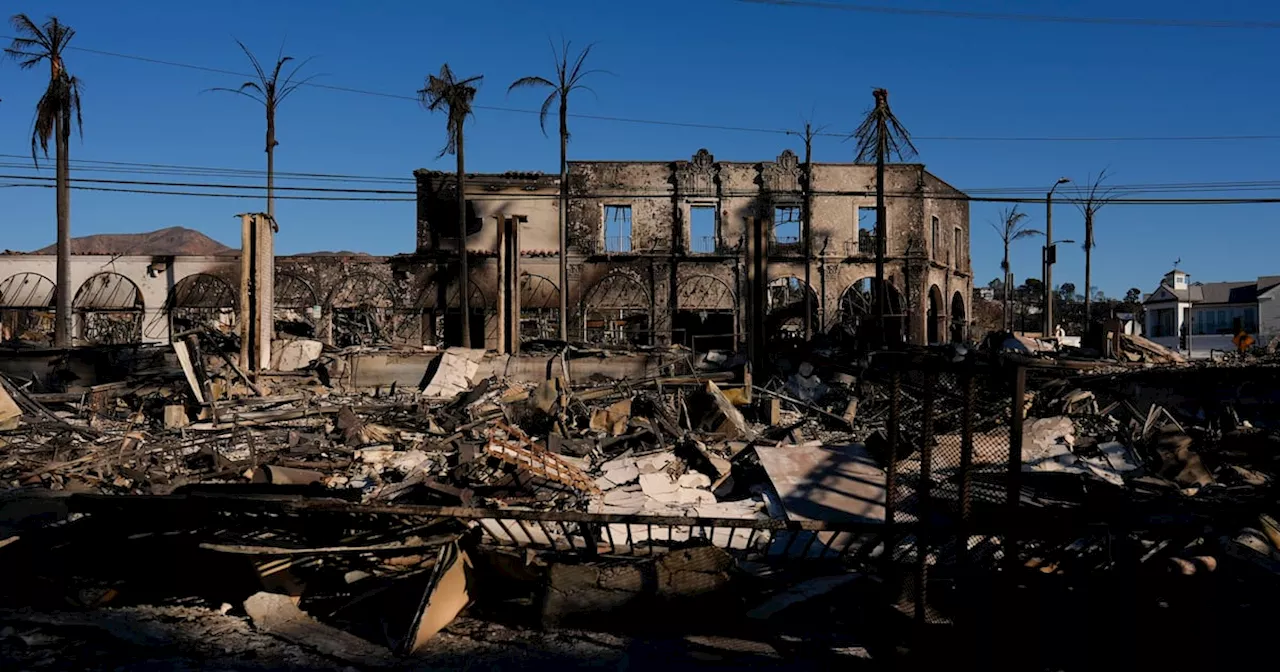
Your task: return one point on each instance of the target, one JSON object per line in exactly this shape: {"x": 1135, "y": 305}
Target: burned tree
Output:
{"x": 1090, "y": 198}
{"x": 446, "y": 92}
{"x": 879, "y": 137}
{"x": 1011, "y": 228}
{"x": 270, "y": 90}
{"x": 568, "y": 78}
{"x": 57, "y": 110}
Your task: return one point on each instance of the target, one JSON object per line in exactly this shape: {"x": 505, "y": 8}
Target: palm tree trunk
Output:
{"x": 464, "y": 282}
{"x": 1008, "y": 304}
{"x": 271, "y": 165}
{"x": 62, "y": 317}
{"x": 1088, "y": 268}
{"x": 564, "y": 220}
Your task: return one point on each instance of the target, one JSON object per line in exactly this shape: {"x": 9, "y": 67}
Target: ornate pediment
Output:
{"x": 783, "y": 174}
{"x": 697, "y": 177}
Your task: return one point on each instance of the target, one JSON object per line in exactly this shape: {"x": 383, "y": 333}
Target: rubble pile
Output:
{"x": 361, "y": 525}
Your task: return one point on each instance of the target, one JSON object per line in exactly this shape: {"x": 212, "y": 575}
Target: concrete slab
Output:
{"x": 831, "y": 483}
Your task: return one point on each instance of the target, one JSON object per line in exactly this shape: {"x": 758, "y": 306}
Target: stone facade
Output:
{"x": 659, "y": 251}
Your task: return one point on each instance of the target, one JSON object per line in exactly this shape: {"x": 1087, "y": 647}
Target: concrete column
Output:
{"x": 257, "y": 290}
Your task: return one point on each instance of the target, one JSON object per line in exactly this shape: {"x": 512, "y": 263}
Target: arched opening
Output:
{"x": 297, "y": 308}
{"x": 108, "y": 310}
{"x": 615, "y": 311}
{"x": 706, "y": 314}
{"x": 539, "y": 308}
{"x": 27, "y": 308}
{"x": 855, "y": 319}
{"x": 959, "y": 325}
{"x": 934, "y": 317}
{"x": 361, "y": 308}
{"x": 453, "y": 315}
{"x": 201, "y": 300}
{"x": 785, "y": 308}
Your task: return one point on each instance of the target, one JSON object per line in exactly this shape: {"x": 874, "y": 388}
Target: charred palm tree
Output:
{"x": 446, "y": 92}
{"x": 879, "y": 137}
{"x": 56, "y": 111}
{"x": 1011, "y": 227}
{"x": 270, "y": 90}
{"x": 1090, "y": 197}
{"x": 568, "y": 78}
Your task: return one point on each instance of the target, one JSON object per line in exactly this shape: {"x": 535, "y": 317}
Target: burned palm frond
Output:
{"x": 568, "y": 78}
{"x": 1012, "y": 227}
{"x": 880, "y": 135}
{"x": 1090, "y": 197}
{"x": 445, "y": 91}
{"x": 60, "y": 102}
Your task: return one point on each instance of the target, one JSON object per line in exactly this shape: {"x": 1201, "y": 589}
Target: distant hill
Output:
{"x": 174, "y": 240}
{"x": 343, "y": 253}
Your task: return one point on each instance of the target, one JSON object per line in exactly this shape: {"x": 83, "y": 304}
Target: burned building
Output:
{"x": 698, "y": 252}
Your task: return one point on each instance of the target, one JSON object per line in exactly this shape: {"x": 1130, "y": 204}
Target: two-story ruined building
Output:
{"x": 700, "y": 252}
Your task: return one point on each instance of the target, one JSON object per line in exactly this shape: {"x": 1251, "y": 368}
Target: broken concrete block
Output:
{"x": 10, "y": 414}
{"x": 694, "y": 496}
{"x": 693, "y": 572}
{"x": 658, "y": 485}
{"x": 623, "y": 475}
{"x": 455, "y": 374}
{"x": 278, "y": 615}
{"x": 175, "y": 416}
{"x": 293, "y": 355}
{"x": 650, "y": 464}
{"x": 694, "y": 480}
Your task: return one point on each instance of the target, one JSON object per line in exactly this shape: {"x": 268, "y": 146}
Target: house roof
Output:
{"x": 1219, "y": 292}
{"x": 1192, "y": 294}
{"x": 1230, "y": 292}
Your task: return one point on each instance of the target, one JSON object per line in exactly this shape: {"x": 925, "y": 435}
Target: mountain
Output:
{"x": 174, "y": 240}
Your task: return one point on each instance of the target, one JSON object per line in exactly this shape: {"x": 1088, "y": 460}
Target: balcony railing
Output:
{"x": 617, "y": 245}
{"x": 704, "y": 245}
{"x": 786, "y": 245}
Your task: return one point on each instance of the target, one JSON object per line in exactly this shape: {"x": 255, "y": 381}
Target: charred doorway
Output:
{"x": 786, "y": 309}
{"x": 706, "y": 314}
{"x": 959, "y": 322}
{"x": 539, "y": 308}
{"x": 935, "y": 319}
{"x": 27, "y": 309}
{"x": 202, "y": 301}
{"x": 453, "y": 316}
{"x": 616, "y": 312}
{"x": 361, "y": 311}
{"x": 108, "y": 310}
{"x": 855, "y": 322}
{"x": 297, "y": 309}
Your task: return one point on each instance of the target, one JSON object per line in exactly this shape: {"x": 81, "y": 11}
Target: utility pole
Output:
{"x": 464, "y": 282}
{"x": 882, "y": 150}
{"x": 1048, "y": 257}
{"x": 807, "y": 217}
{"x": 564, "y": 220}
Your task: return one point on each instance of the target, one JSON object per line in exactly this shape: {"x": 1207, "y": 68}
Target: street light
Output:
{"x": 1048, "y": 256}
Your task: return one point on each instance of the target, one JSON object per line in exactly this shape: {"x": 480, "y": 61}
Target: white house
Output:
{"x": 1208, "y": 314}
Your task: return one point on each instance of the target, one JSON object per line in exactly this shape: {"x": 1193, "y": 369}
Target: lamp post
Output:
{"x": 1048, "y": 256}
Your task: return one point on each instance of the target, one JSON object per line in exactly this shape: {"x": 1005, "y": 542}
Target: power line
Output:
{"x": 1027, "y": 18}
{"x": 636, "y": 196}
{"x": 715, "y": 127}
{"x": 198, "y": 171}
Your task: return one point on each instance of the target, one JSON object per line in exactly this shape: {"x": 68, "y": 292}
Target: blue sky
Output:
{"x": 704, "y": 61}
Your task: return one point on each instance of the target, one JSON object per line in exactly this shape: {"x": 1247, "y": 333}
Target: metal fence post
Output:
{"x": 1017, "y": 419}
{"x": 924, "y": 501}
{"x": 891, "y": 466}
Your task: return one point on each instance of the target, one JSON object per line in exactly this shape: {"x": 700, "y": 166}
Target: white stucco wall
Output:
{"x": 154, "y": 289}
